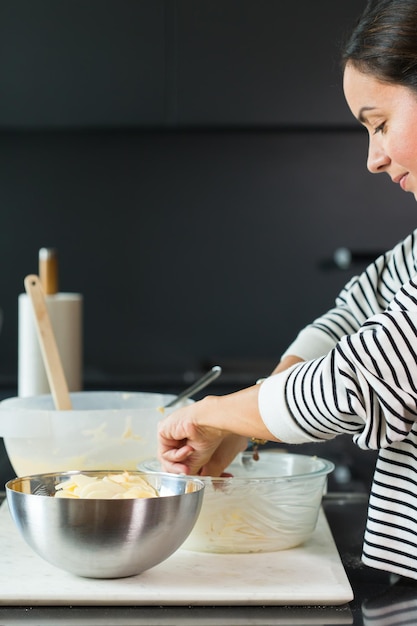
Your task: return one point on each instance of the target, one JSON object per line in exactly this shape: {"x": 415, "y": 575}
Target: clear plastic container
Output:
{"x": 105, "y": 430}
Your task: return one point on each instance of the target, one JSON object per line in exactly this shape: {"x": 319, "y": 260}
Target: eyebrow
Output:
{"x": 361, "y": 116}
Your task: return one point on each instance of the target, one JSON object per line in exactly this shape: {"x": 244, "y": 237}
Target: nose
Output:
{"x": 377, "y": 158}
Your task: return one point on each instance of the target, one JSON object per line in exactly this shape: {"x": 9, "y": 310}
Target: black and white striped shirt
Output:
{"x": 360, "y": 378}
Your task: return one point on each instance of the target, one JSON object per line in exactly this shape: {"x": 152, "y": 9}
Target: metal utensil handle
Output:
{"x": 197, "y": 386}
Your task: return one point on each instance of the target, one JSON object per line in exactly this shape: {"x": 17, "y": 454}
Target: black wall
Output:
{"x": 194, "y": 163}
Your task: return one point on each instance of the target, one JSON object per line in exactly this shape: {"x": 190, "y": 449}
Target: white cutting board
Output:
{"x": 311, "y": 574}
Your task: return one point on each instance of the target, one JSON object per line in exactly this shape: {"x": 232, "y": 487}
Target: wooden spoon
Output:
{"x": 49, "y": 349}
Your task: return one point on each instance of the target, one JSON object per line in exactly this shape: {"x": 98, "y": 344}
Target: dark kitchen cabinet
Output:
{"x": 261, "y": 62}
{"x": 77, "y": 63}
{"x": 172, "y": 63}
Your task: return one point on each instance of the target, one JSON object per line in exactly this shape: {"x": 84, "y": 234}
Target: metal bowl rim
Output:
{"x": 10, "y": 484}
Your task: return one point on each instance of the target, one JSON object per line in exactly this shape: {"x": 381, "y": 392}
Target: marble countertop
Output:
{"x": 378, "y": 596}
{"x": 311, "y": 573}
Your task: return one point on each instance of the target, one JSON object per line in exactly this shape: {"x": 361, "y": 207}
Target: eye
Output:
{"x": 379, "y": 128}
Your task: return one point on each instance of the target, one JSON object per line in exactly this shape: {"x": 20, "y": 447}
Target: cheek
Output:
{"x": 403, "y": 140}
{"x": 404, "y": 150}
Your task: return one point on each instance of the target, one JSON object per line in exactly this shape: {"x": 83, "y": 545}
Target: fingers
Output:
{"x": 225, "y": 453}
{"x": 174, "y": 459}
{"x": 186, "y": 446}
{"x": 177, "y": 455}
{"x": 185, "y": 460}
{"x": 176, "y": 468}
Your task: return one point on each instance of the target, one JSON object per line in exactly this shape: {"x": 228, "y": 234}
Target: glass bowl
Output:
{"x": 266, "y": 505}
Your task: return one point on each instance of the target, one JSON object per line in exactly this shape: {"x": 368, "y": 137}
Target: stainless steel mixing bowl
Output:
{"x": 104, "y": 538}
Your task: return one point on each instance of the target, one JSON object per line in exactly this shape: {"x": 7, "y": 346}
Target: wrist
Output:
{"x": 236, "y": 413}
{"x": 209, "y": 414}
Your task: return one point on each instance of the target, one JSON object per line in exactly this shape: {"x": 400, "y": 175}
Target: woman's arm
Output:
{"x": 219, "y": 446}
{"x": 209, "y": 433}
{"x": 366, "y": 386}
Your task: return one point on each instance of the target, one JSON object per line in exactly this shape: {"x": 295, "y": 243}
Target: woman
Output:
{"x": 354, "y": 370}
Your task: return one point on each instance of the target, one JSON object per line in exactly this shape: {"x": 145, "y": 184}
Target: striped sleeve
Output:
{"x": 362, "y": 297}
{"x": 365, "y": 386}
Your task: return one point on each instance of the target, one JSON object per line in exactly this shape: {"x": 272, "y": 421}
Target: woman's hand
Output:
{"x": 204, "y": 437}
{"x": 224, "y": 454}
{"x": 205, "y": 451}
{"x": 183, "y": 446}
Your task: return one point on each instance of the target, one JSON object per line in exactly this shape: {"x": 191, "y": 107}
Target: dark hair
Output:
{"x": 384, "y": 42}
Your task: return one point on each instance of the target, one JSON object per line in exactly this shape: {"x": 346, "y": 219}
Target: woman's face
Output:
{"x": 389, "y": 113}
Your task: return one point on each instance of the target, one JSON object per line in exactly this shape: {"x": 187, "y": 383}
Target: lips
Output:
{"x": 401, "y": 180}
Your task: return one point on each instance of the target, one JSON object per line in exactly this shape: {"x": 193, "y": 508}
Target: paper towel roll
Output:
{"x": 65, "y": 310}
